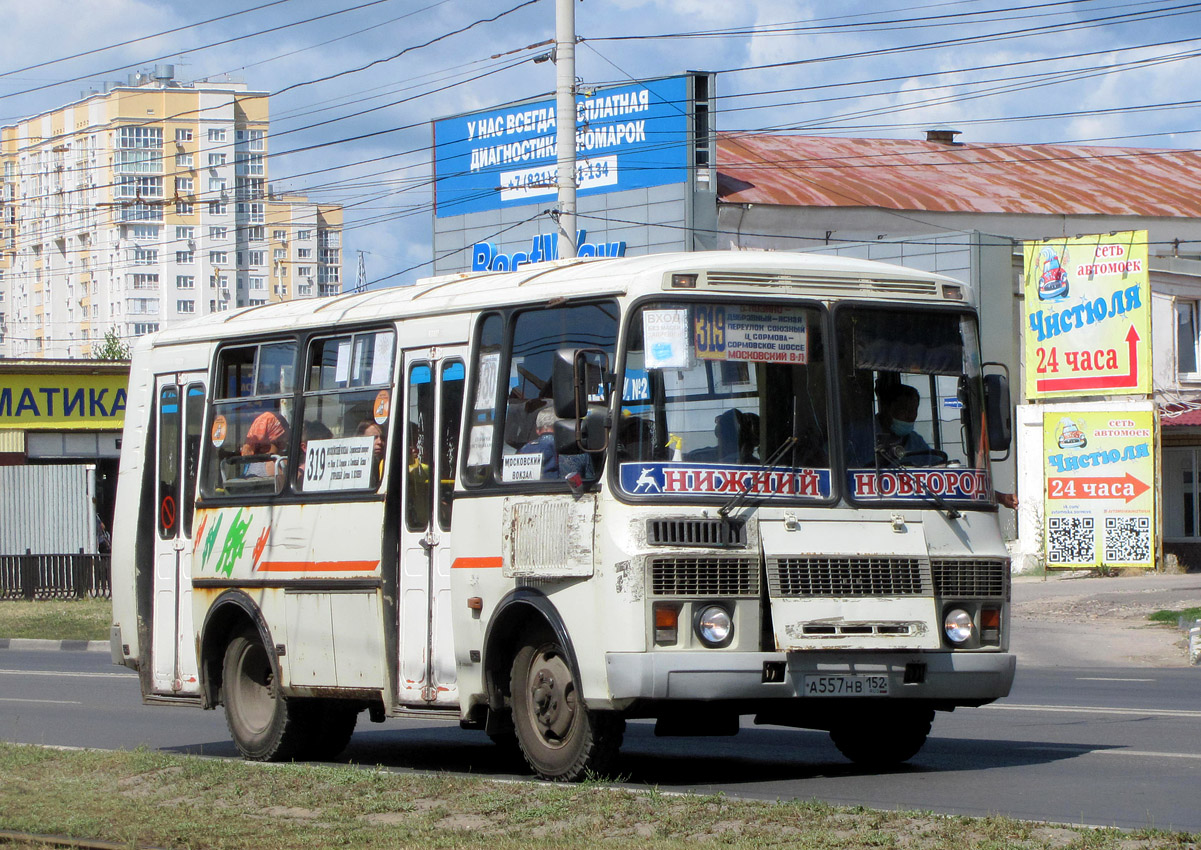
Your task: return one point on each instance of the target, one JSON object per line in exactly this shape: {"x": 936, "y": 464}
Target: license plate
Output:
{"x": 846, "y": 686}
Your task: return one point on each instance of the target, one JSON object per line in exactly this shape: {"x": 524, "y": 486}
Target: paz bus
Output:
{"x": 547, "y": 501}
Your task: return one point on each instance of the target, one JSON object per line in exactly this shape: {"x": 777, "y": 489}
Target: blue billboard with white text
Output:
{"x": 627, "y": 137}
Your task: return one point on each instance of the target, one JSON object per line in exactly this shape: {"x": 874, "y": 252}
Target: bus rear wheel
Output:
{"x": 883, "y": 739}
{"x": 562, "y": 740}
{"x": 264, "y": 725}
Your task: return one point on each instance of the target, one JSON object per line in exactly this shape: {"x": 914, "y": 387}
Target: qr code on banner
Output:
{"x": 1127, "y": 539}
{"x": 1071, "y": 540}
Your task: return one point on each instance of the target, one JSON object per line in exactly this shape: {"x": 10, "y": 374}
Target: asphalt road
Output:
{"x": 1111, "y": 746}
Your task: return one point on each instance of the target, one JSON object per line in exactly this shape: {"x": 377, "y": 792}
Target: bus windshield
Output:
{"x": 722, "y": 398}
{"x": 912, "y": 405}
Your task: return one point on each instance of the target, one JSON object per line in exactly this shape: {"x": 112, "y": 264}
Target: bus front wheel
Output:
{"x": 883, "y": 741}
{"x": 562, "y": 740}
{"x": 264, "y": 725}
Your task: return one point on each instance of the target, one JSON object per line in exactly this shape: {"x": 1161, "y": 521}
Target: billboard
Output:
{"x": 62, "y": 400}
{"x": 1099, "y": 497}
{"x": 627, "y": 137}
{"x": 1088, "y": 316}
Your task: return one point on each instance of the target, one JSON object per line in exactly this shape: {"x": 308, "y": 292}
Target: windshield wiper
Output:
{"x": 738, "y": 497}
{"x": 893, "y": 459}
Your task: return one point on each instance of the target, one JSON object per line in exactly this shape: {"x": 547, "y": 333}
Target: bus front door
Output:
{"x": 433, "y": 415}
{"x": 179, "y": 413}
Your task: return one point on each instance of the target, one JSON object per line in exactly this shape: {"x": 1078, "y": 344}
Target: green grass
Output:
{"x": 147, "y": 798}
{"x": 56, "y": 619}
{"x": 1173, "y": 617}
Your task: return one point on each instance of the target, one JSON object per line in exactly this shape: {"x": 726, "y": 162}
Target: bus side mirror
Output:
{"x": 998, "y": 412}
{"x": 579, "y": 386}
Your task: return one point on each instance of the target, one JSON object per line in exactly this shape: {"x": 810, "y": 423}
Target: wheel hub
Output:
{"x": 552, "y": 697}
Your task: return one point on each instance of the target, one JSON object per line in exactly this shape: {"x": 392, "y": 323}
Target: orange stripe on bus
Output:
{"x": 477, "y": 563}
{"x": 318, "y": 566}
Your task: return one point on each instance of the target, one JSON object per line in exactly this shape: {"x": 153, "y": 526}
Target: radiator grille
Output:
{"x": 844, "y": 576}
{"x": 969, "y": 576}
{"x": 695, "y": 532}
{"x": 705, "y": 577}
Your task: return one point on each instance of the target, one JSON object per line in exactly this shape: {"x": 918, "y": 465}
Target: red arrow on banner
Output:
{"x": 1127, "y": 487}
{"x": 1101, "y": 382}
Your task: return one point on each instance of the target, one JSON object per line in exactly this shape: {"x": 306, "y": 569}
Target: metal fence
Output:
{"x": 55, "y": 576}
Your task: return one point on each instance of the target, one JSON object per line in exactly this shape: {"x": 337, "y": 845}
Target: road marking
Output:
{"x": 1088, "y": 751}
{"x": 50, "y": 701}
{"x": 1109, "y": 679}
{"x": 65, "y": 674}
{"x": 1084, "y": 709}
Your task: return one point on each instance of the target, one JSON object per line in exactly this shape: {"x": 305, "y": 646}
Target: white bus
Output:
{"x": 688, "y": 487}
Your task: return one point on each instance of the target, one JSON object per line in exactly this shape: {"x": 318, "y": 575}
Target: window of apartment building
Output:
{"x": 216, "y": 159}
{"x": 143, "y": 328}
{"x": 255, "y": 212}
{"x": 255, "y": 234}
{"x": 182, "y": 135}
{"x": 218, "y": 208}
{"x": 145, "y": 281}
{"x": 216, "y": 134}
{"x": 183, "y": 160}
{"x": 257, "y": 302}
{"x": 221, "y": 257}
{"x": 256, "y": 258}
{"x": 143, "y": 306}
{"x": 185, "y": 306}
{"x": 185, "y": 281}
{"x": 258, "y": 282}
{"x": 221, "y": 233}
{"x": 253, "y": 138}
{"x": 145, "y": 257}
{"x": 1186, "y": 335}
{"x": 184, "y": 208}
{"x": 185, "y": 232}
{"x": 139, "y": 187}
{"x": 328, "y": 238}
{"x": 304, "y": 289}
{"x": 279, "y": 253}
{"x": 304, "y": 253}
{"x": 247, "y": 188}
{"x": 219, "y": 281}
{"x": 250, "y": 164}
{"x": 304, "y": 271}
{"x": 330, "y": 255}
{"x": 185, "y": 258}
{"x": 184, "y": 184}
{"x": 279, "y": 235}
{"x": 304, "y": 235}
{"x": 328, "y": 274}
{"x": 329, "y": 289}
{"x": 139, "y": 150}
{"x": 217, "y": 184}
{"x": 144, "y": 231}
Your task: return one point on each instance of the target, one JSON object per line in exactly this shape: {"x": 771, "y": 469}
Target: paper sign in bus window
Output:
{"x": 527, "y": 467}
{"x": 665, "y": 339}
{"x": 339, "y": 464}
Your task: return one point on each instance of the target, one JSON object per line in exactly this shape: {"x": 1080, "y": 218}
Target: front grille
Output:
{"x": 705, "y": 577}
{"x": 695, "y": 532}
{"x": 969, "y": 576}
{"x": 844, "y": 576}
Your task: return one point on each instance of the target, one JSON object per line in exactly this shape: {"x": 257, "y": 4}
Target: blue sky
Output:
{"x": 1099, "y": 72}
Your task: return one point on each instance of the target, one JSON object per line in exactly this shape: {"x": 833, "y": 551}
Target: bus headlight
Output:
{"x": 958, "y": 625}
{"x": 714, "y": 626}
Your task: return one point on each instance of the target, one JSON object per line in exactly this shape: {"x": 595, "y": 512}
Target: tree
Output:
{"x": 113, "y": 347}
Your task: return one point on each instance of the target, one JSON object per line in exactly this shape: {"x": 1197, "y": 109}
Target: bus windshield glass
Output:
{"x": 725, "y": 397}
{"x": 912, "y": 406}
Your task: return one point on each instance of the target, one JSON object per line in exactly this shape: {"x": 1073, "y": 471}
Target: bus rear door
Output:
{"x": 179, "y": 408}
{"x": 433, "y": 411}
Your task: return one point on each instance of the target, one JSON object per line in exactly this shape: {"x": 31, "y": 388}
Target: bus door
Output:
{"x": 433, "y": 411}
{"x": 179, "y": 410}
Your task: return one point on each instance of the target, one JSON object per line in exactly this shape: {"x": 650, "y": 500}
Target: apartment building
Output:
{"x": 147, "y": 204}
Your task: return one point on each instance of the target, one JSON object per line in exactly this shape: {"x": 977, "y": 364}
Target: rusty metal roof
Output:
{"x": 897, "y": 174}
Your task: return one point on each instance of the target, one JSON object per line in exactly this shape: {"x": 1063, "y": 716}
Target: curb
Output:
{"x": 42, "y": 644}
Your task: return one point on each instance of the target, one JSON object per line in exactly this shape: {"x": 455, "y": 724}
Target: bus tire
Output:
{"x": 561, "y": 739}
{"x": 330, "y": 724}
{"x": 264, "y": 725}
{"x": 883, "y": 741}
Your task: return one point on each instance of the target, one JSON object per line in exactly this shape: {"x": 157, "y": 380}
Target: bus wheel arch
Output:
{"x": 231, "y": 614}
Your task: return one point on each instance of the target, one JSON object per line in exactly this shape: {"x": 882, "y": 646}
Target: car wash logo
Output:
{"x": 485, "y": 256}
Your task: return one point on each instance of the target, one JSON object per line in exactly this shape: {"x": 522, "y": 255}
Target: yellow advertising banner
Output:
{"x": 59, "y": 401}
{"x": 1099, "y": 498}
{"x": 1088, "y": 316}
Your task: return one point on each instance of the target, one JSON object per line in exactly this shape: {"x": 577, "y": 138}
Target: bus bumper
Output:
{"x": 967, "y": 678}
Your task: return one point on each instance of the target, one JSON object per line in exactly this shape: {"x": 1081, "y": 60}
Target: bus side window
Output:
{"x": 483, "y": 414}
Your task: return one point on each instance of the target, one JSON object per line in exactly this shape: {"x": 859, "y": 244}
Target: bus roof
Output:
{"x": 759, "y": 272}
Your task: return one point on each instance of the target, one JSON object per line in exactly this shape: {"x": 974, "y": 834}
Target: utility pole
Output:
{"x": 565, "y": 123}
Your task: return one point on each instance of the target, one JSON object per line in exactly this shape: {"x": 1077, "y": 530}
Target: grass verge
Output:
{"x": 1173, "y": 617}
{"x": 147, "y": 798}
{"x": 56, "y": 619}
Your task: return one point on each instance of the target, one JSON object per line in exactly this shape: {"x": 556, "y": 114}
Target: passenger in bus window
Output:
{"x": 543, "y": 442}
{"x": 267, "y": 435}
{"x": 370, "y": 428}
{"x": 418, "y": 512}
